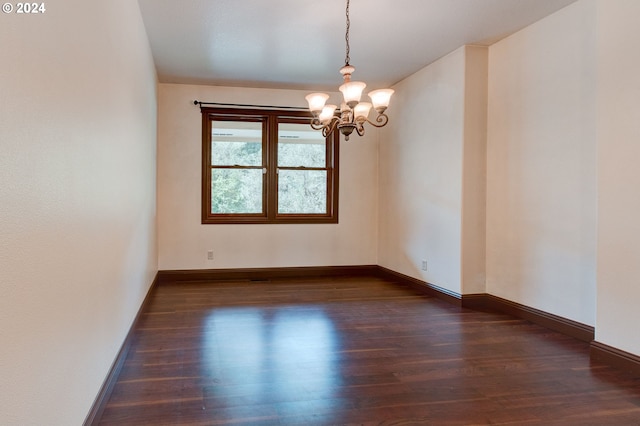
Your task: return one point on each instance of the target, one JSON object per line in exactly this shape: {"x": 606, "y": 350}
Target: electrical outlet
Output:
{"x": 424, "y": 265}
{"x": 210, "y": 255}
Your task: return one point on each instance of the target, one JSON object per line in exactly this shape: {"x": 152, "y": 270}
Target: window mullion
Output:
{"x": 206, "y": 167}
{"x": 332, "y": 173}
{"x": 237, "y": 167}
{"x": 302, "y": 168}
{"x": 271, "y": 136}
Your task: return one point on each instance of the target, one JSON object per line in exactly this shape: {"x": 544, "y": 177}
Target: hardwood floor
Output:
{"x": 353, "y": 351}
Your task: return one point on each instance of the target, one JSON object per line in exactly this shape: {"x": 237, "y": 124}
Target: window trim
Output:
{"x": 270, "y": 215}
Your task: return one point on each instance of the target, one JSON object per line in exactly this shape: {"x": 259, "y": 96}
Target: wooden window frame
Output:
{"x": 270, "y": 215}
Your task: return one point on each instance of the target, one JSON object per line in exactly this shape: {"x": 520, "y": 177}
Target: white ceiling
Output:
{"x": 299, "y": 44}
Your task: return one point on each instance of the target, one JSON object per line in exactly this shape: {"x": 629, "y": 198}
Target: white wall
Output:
{"x": 184, "y": 241}
{"x": 618, "y": 130}
{"x": 77, "y": 202}
{"x": 541, "y": 165}
{"x": 422, "y": 153}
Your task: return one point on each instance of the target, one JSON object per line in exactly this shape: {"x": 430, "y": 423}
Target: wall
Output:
{"x": 424, "y": 151}
{"x": 618, "y": 131}
{"x": 541, "y": 165}
{"x": 561, "y": 173}
{"x": 77, "y": 202}
{"x": 184, "y": 241}
{"x": 474, "y": 171}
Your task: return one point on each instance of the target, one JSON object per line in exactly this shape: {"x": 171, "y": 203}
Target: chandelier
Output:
{"x": 352, "y": 113}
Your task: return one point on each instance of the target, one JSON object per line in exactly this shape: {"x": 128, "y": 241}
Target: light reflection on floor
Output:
{"x": 270, "y": 355}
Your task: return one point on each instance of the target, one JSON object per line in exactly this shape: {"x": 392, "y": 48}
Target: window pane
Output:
{"x": 236, "y": 191}
{"x": 300, "y": 146}
{"x": 302, "y": 191}
{"x": 236, "y": 143}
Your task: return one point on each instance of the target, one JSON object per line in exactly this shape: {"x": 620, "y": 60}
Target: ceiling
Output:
{"x": 300, "y": 44}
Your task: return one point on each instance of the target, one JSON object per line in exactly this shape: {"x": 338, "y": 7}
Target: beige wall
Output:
{"x": 561, "y": 176}
{"x": 421, "y": 174}
{"x": 474, "y": 171}
{"x": 541, "y": 165}
{"x": 618, "y": 130}
{"x": 184, "y": 241}
{"x": 77, "y": 202}
{"x": 562, "y": 172}
{"x": 429, "y": 162}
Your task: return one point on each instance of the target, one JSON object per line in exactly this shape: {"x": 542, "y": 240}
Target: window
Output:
{"x": 270, "y": 166}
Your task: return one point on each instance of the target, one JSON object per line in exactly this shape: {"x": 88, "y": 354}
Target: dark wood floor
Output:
{"x": 353, "y": 351}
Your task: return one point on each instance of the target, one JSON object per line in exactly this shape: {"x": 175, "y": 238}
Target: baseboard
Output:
{"x": 563, "y": 325}
{"x": 614, "y": 357}
{"x": 422, "y": 286}
{"x": 95, "y": 413}
{"x": 173, "y": 276}
{"x": 483, "y": 301}
{"x": 477, "y": 301}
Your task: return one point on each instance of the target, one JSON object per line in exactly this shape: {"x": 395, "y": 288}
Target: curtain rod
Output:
{"x": 196, "y": 102}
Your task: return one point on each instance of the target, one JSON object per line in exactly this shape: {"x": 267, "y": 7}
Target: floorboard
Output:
{"x": 353, "y": 351}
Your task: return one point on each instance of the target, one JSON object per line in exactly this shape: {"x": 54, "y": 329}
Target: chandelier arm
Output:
{"x": 327, "y": 128}
{"x": 330, "y": 127}
{"x": 360, "y": 128}
{"x": 381, "y": 120}
{"x": 316, "y": 124}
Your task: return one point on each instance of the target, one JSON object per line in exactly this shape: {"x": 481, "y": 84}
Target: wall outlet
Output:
{"x": 210, "y": 255}
{"x": 424, "y": 265}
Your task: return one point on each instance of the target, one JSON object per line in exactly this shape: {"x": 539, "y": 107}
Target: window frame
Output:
{"x": 270, "y": 120}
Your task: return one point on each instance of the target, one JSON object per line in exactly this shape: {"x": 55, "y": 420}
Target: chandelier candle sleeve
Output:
{"x": 352, "y": 114}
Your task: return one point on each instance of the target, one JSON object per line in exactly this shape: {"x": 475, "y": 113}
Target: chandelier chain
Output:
{"x": 346, "y": 36}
